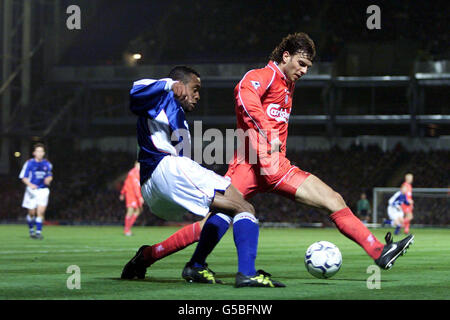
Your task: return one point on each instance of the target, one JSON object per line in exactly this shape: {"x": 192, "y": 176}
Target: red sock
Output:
{"x": 406, "y": 223}
{"x": 132, "y": 221}
{"x": 350, "y": 226}
{"x": 179, "y": 240}
{"x": 127, "y": 224}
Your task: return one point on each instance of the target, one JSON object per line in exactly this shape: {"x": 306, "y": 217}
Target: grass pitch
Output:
{"x": 37, "y": 269}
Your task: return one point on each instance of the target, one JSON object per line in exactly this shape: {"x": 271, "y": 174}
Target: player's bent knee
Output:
{"x": 336, "y": 202}
{"x": 248, "y": 207}
{"x": 243, "y": 206}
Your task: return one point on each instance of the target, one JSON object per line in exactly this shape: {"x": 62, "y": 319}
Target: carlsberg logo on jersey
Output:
{"x": 274, "y": 112}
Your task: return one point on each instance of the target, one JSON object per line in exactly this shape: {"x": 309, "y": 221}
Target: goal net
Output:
{"x": 431, "y": 205}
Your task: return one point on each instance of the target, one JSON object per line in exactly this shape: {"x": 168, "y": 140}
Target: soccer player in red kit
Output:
{"x": 408, "y": 209}
{"x": 263, "y": 103}
{"x": 131, "y": 193}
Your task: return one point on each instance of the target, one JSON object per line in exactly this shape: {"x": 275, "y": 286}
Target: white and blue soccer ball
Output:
{"x": 323, "y": 259}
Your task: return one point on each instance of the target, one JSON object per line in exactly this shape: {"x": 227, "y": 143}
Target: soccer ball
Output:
{"x": 323, "y": 259}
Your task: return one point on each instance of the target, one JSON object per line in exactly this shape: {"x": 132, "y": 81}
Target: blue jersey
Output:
{"x": 162, "y": 129}
{"x": 36, "y": 171}
{"x": 398, "y": 199}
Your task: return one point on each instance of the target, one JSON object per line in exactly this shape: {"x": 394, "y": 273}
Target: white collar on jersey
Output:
{"x": 276, "y": 65}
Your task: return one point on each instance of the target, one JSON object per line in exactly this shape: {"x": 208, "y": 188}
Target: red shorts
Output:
{"x": 282, "y": 178}
{"x": 406, "y": 208}
{"x": 132, "y": 202}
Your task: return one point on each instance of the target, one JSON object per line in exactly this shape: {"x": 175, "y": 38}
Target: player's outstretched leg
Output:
{"x": 196, "y": 270}
{"x": 201, "y": 274}
{"x": 383, "y": 255}
{"x": 316, "y": 193}
{"x": 147, "y": 255}
{"x": 260, "y": 279}
{"x": 245, "y": 231}
{"x": 246, "y": 234}
{"x": 393, "y": 250}
{"x": 136, "y": 267}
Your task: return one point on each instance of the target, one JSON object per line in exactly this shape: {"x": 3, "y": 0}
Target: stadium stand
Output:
{"x": 86, "y": 186}
{"x": 81, "y": 197}
{"x": 223, "y": 35}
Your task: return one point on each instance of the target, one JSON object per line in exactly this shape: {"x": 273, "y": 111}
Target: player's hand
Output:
{"x": 121, "y": 197}
{"x": 179, "y": 91}
{"x": 141, "y": 201}
{"x": 47, "y": 181}
{"x": 275, "y": 145}
{"x": 33, "y": 186}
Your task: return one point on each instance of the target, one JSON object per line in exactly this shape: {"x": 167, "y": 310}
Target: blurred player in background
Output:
{"x": 37, "y": 175}
{"x": 131, "y": 193}
{"x": 263, "y": 103}
{"x": 173, "y": 184}
{"x": 395, "y": 208}
{"x": 363, "y": 208}
{"x": 408, "y": 209}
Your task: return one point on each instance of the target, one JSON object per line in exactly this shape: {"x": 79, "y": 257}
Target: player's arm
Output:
{"x": 250, "y": 90}
{"x": 48, "y": 180}
{"x": 402, "y": 201}
{"x": 27, "y": 182}
{"x": 48, "y": 176}
{"x": 24, "y": 174}
{"x": 123, "y": 190}
{"x": 146, "y": 94}
{"x": 393, "y": 198}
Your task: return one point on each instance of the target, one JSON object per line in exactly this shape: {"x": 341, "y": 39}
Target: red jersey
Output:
{"x": 263, "y": 105}
{"x": 132, "y": 186}
{"x": 408, "y": 208}
{"x": 264, "y": 102}
{"x": 408, "y": 190}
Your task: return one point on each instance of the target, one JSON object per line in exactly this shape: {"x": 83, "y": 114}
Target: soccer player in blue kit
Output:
{"x": 37, "y": 175}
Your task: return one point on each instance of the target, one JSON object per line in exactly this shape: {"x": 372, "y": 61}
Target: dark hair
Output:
{"x": 182, "y": 73}
{"x": 294, "y": 43}
{"x": 39, "y": 145}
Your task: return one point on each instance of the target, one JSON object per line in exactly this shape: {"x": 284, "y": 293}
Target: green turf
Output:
{"x": 36, "y": 269}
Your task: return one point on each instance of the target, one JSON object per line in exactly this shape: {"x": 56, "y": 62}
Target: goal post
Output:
{"x": 427, "y": 201}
